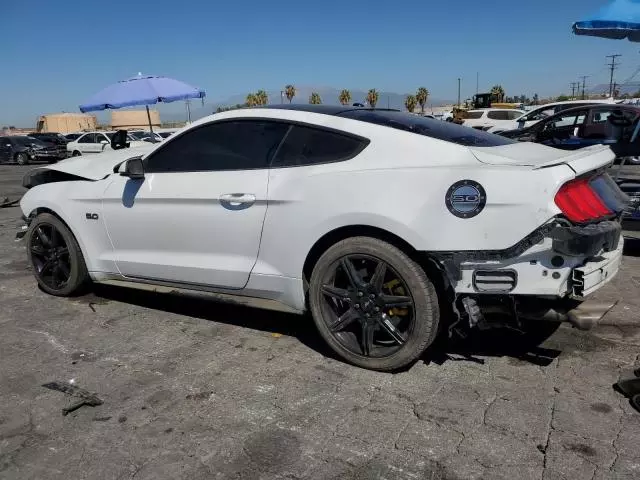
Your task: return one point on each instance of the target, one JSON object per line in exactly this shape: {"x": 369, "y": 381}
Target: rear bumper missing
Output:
{"x": 586, "y": 241}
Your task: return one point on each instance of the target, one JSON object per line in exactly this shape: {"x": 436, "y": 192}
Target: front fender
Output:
{"x": 72, "y": 202}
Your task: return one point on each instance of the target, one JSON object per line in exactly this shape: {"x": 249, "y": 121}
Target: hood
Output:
{"x": 534, "y": 155}
{"x": 96, "y": 166}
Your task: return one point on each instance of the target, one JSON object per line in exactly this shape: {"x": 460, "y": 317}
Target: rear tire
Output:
{"x": 22, "y": 158}
{"x": 371, "y": 325}
{"x": 76, "y": 153}
{"x": 55, "y": 256}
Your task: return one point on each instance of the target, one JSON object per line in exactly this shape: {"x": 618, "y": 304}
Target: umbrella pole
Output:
{"x": 153, "y": 137}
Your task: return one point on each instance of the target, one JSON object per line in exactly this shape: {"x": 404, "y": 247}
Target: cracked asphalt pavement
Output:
{"x": 198, "y": 390}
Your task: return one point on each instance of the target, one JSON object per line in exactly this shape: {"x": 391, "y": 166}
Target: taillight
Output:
{"x": 580, "y": 203}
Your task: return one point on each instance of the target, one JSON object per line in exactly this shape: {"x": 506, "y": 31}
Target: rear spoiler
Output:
{"x": 584, "y": 160}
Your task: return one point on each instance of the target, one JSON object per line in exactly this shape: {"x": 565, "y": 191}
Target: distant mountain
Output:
{"x": 329, "y": 96}
{"x": 628, "y": 88}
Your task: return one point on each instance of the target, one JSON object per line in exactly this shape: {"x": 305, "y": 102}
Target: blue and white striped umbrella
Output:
{"x": 618, "y": 20}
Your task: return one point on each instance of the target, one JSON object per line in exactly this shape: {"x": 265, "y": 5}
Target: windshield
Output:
{"x": 429, "y": 127}
{"x": 110, "y": 135}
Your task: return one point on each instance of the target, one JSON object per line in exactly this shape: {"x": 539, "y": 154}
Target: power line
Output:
{"x": 584, "y": 80}
{"x": 613, "y": 67}
{"x": 574, "y": 85}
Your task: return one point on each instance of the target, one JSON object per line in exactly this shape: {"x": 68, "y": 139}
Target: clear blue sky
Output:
{"x": 55, "y": 54}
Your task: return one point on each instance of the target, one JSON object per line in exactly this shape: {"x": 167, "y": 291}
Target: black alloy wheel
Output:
{"x": 366, "y": 306}
{"x": 373, "y": 304}
{"x": 50, "y": 256}
{"x": 54, "y": 253}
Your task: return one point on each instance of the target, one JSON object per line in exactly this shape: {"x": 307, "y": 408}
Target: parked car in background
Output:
{"x": 581, "y": 127}
{"x": 96, "y": 142}
{"x": 50, "y": 137}
{"x": 423, "y": 219}
{"x": 144, "y": 136}
{"x": 484, "y": 119}
{"x": 23, "y": 150}
{"x": 540, "y": 113}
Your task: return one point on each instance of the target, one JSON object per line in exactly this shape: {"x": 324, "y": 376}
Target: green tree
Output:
{"x": 290, "y": 92}
{"x": 251, "y": 100}
{"x": 262, "y": 97}
{"x": 315, "y": 99}
{"x": 345, "y": 97}
{"x": 421, "y": 97}
{"x": 536, "y": 99}
{"x": 497, "y": 92}
{"x": 563, "y": 98}
{"x": 372, "y": 97}
{"x": 410, "y": 103}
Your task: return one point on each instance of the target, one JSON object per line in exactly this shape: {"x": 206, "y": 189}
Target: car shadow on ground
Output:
{"x": 476, "y": 344}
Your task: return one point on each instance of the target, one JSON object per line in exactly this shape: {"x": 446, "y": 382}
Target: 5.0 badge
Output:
{"x": 465, "y": 199}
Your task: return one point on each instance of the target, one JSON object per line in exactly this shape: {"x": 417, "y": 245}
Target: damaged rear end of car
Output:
{"x": 550, "y": 275}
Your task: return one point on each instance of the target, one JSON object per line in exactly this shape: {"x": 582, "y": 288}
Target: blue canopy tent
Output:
{"x": 141, "y": 90}
{"x": 618, "y": 20}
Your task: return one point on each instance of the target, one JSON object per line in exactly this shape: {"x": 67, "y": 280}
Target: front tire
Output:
{"x": 76, "y": 153}
{"x": 22, "y": 158}
{"x": 55, "y": 256}
{"x": 373, "y": 305}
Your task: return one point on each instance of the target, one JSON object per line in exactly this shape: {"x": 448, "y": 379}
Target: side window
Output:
{"x": 498, "y": 115}
{"x": 309, "y": 146}
{"x": 567, "y": 120}
{"x": 88, "y": 138}
{"x": 226, "y": 145}
{"x": 513, "y": 114}
{"x": 101, "y": 137}
{"x": 600, "y": 116}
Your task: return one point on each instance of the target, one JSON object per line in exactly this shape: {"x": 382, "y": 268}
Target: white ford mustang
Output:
{"x": 387, "y": 226}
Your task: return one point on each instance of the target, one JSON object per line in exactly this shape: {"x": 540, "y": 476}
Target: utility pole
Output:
{"x": 574, "y": 85}
{"x": 477, "y": 82}
{"x": 584, "y": 79}
{"x": 188, "y": 105}
{"x": 613, "y": 67}
{"x": 459, "y": 91}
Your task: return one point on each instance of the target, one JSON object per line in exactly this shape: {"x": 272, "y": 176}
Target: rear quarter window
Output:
{"x": 446, "y": 131}
{"x": 309, "y": 146}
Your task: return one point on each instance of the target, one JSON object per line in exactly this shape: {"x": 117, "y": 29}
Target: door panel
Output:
{"x": 191, "y": 227}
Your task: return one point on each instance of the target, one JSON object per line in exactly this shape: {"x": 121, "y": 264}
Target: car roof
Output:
{"x": 326, "y": 109}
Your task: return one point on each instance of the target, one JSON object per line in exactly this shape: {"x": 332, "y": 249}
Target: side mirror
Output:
{"x": 103, "y": 142}
{"x": 133, "y": 168}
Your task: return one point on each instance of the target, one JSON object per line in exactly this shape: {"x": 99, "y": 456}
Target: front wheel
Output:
{"x": 22, "y": 158}
{"x": 76, "y": 153}
{"x": 55, "y": 256}
{"x": 373, "y": 305}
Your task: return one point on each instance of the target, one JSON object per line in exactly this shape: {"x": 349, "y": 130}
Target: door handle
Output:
{"x": 237, "y": 201}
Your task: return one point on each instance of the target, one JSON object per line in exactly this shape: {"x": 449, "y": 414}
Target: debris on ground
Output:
{"x": 85, "y": 397}
{"x": 5, "y": 202}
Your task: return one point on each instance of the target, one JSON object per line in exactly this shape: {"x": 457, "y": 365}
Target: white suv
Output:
{"x": 487, "y": 118}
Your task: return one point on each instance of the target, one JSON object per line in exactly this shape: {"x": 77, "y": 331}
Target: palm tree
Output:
{"x": 421, "y": 97}
{"x": 535, "y": 99}
{"x": 497, "y": 92}
{"x": 251, "y": 100}
{"x": 372, "y": 97}
{"x": 290, "y": 92}
{"x": 315, "y": 99}
{"x": 345, "y": 97}
{"x": 410, "y": 103}
{"x": 262, "y": 97}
